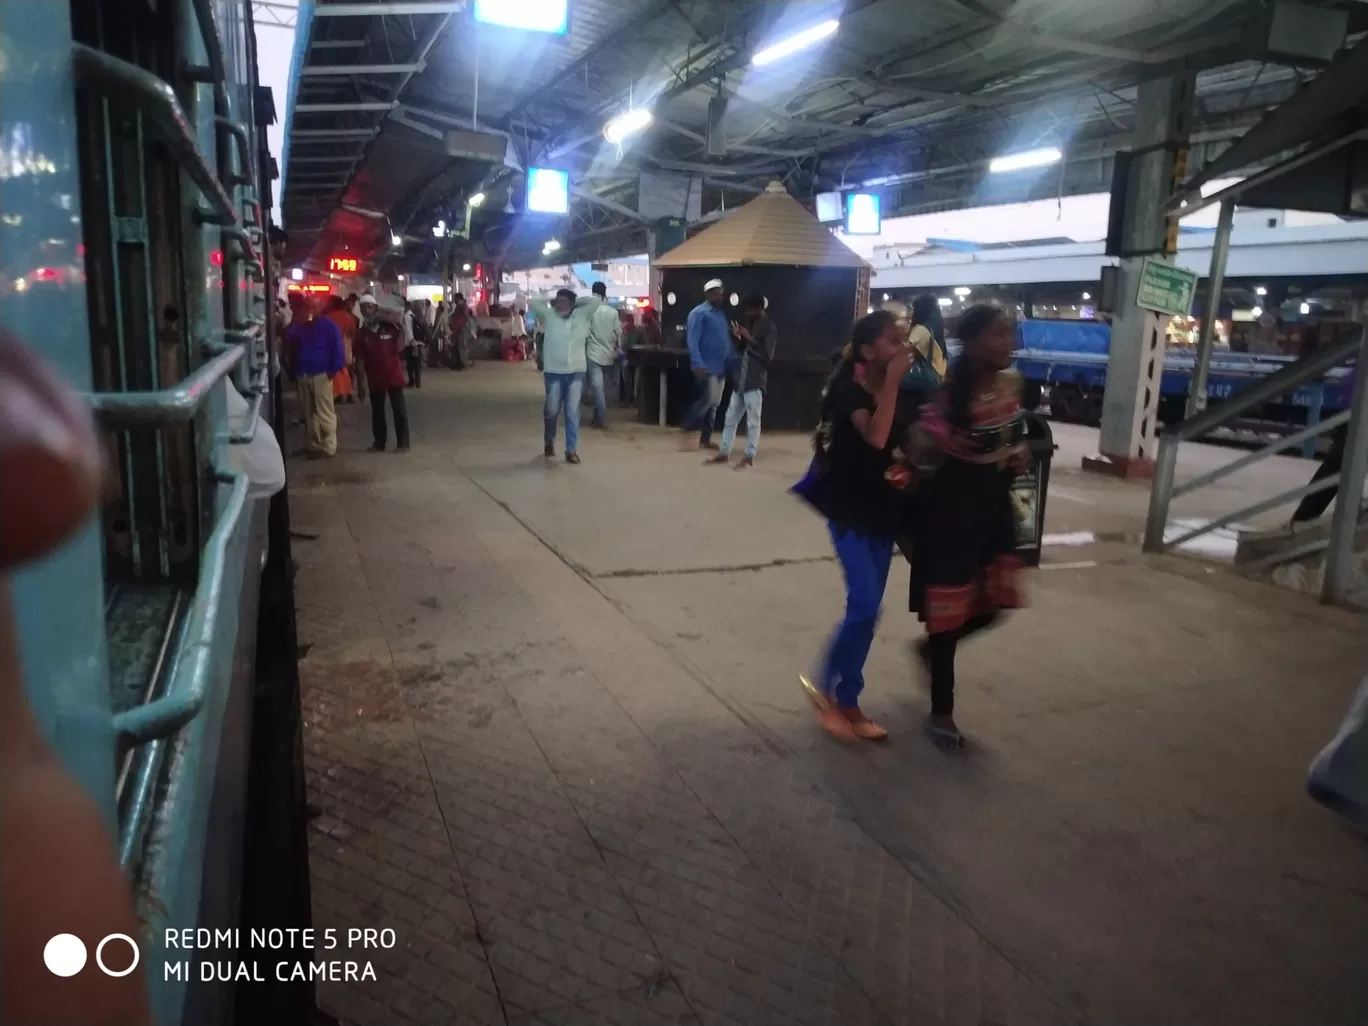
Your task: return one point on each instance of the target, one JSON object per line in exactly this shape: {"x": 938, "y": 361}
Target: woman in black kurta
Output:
{"x": 967, "y": 446}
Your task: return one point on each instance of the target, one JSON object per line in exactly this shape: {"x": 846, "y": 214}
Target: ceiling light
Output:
{"x": 530, "y": 15}
{"x": 945, "y": 302}
{"x": 439, "y": 229}
{"x": 794, "y": 43}
{"x": 297, "y": 274}
{"x": 1028, "y": 158}
{"x": 401, "y": 277}
{"x": 551, "y": 246}
{"x": 1256, "y": 312}
{"x": 476, "y": 200}
{"x": 625, "y": 124}
{"x": 465, "y": 267}
{"x": 1087, "y": 296}
{"x": 395, "y": 240}
{"x": 963, "y": 291}
{"x": 887, "y": 297}
{"x": 1259, "y": 290}
{"x": 1305, "y": 308}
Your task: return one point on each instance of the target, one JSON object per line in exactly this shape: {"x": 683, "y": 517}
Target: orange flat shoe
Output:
{"x": 834, "y": 722}
{"x": 864, "y": 728}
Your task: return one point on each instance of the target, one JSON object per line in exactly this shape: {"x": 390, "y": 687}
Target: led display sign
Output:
{"x": 342, "y": 265}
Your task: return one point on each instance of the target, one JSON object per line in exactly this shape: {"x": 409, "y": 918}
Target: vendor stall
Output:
{"x": 815, "y": 285}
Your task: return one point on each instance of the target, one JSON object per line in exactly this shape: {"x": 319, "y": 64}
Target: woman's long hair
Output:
{"x": 865, "y": 333}
{"x": 960, "y": 379}
{"x": 926, "y": 311}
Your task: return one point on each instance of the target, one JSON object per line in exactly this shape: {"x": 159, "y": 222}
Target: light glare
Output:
{"x": 625, "y": 124}
{"x": 1029, "y": 158}
{"x": 794, "y": 43}
{"x": 531, "y": 15}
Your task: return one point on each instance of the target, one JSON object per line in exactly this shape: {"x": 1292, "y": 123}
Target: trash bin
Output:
{"x": 1029, "y": 489}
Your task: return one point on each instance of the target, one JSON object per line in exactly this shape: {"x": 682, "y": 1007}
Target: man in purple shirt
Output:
{"x": 314, "y": 353}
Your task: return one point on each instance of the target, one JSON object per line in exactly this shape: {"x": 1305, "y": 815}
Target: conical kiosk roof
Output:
{"x": 772, "y": 229}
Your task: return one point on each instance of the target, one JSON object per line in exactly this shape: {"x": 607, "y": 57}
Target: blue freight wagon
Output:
{"x": 1065, "y": 366}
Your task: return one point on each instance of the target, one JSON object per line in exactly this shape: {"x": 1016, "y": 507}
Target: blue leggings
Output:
{"x": 864, "y": 561}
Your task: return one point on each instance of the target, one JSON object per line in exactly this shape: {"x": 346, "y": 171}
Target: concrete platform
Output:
{"x": 554, "y": 724}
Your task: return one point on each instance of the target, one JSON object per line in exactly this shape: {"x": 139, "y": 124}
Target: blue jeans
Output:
{"x": 563, "y": 392}
{"x": 748, "y": 403}
{"x": 704, "y": 409}
{"x": 864, "y": 561}
{"x": 601, "y": 380}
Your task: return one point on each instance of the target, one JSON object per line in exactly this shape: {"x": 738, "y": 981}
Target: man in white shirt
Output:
{"x": 605, "y": 343}
{"x": 565, "y": 336}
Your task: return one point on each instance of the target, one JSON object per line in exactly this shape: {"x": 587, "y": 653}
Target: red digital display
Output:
{"x": 342, "y": 265}
{"x": 315, "y": 287}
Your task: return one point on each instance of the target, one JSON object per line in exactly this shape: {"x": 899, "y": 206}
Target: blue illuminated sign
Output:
{"x": 862, "y": 214}
{"x": 548, "y": 191}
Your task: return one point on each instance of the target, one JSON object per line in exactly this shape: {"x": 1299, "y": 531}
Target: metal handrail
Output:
{"x": 1271, "y": 449}
{"x": 258, "y": 393}
{"x": 1261, "y": 391}
{"x": 158, "y": 101}
{"x": 244, "y": 175}
{"x": 176, "y": 405}
{"x": 249, "y": 252}
{"x": 189, "y": 683}
{"x": 1354, "y": 420}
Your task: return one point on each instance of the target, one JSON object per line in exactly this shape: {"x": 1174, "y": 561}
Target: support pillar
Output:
{"x": 1130, "y": 409}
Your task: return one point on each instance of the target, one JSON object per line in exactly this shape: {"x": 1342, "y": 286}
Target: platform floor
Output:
{"x": 554, "y": 725}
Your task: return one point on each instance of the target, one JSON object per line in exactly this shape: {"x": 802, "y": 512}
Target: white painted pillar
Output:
{"x": 1127, "y": 443}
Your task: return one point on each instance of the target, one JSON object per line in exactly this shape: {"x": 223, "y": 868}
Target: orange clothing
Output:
{"x": 342, "y": 383}
{"x": 347, "y": 324}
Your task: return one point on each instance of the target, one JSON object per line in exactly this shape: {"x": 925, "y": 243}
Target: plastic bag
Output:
{"x": 1339, "y": 774}
{"x": 260, "y": 459}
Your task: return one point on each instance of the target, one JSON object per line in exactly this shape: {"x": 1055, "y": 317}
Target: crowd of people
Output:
{"x": 341, "y": 350}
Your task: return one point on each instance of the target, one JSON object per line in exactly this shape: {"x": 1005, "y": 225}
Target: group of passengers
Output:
{"x": 349, "y": 347}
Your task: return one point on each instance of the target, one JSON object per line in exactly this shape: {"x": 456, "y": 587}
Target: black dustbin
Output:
{"x": 1029, "y": 489}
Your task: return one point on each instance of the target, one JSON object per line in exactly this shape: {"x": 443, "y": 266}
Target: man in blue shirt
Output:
{"x": 314, "y": 353}
{"x": 709, "y": 338}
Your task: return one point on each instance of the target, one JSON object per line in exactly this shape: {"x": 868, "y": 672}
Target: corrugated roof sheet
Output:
{"x": 771, "y": 229}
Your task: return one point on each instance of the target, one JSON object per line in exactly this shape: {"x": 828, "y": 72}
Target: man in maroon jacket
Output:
{"x": 380, "y": 346}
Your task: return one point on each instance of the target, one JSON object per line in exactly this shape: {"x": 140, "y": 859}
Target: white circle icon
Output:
{"x": 64, "y": 955}
{"x": 99, "y": 955}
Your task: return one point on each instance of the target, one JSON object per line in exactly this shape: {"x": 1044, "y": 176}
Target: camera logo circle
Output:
{"x": 66, "y": 955}
{"x": 99, "y": 955}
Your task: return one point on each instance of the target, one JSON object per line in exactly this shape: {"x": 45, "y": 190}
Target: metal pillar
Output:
{"x": 1136, "y": 361}
{"x": 1211, "y": 308}
{"x": 1340, "y": 553}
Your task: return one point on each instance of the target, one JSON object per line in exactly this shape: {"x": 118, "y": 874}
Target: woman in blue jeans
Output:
{"x": 854, "y": 482}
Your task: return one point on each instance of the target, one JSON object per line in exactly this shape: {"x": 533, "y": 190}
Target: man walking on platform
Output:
{"x": 756, "y": 337}
{"x": 380, "y": 345}
{"x": 313, "y": 354}
{"x": 565, "y": 336}
{"x": 709, "y": 338}
{"x": 605, "y": 342}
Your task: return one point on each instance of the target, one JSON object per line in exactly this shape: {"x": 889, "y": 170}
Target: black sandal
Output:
{"x": 947, "y": 739}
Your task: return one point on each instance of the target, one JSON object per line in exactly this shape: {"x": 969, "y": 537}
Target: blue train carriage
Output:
{"x": 1065, "y": 366}
{"x": 132, "y": 257}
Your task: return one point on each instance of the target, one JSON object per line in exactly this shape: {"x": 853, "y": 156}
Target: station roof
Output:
{"x": 911, "y": 98}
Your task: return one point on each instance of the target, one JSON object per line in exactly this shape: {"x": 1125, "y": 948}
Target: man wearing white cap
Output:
{"x": 709, "y": 338}
{"x": 379, "y": 346}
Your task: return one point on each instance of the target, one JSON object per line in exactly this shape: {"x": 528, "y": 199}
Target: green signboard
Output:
{"x": 1165, "y": 289}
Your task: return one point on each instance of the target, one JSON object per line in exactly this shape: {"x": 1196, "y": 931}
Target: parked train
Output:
{"x": 158, "y": 647}
{"x": 1065, "y": 366}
